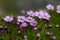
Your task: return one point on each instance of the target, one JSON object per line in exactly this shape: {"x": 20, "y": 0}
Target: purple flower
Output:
{"x": 19, "y": 32}
{"x": 35, "y": 28}
{"x": 17, "y": 23}
{"x": 8, "y": 19}
{"x": 29, "y": 19}
{"x": 47, "y": 33}
{"x": 50, "y": 7}
{"x": 54, "y": 38}
{"x": 20, "y": 19}
{"x": 47, "y": 17}
{"x": 37, "y": 35}
{"x": 25, "y": 37}
{"x": 33, "y": 23}
{"x": 42, "y": 14}
{"x": 23, "y": 11}
{"x": 58, "y": 9}
{"x": 24, "y": 24}
{"x": 1, "y": 27}
{"x": 37, "y": 14}
{"x": 31, "y": 13}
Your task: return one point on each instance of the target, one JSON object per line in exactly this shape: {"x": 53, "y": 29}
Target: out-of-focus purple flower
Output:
{"x": 29, "y": 19}
{"x": 58, "y": 8}
{"x": 19, "y": 32}
{"x": 1, "y": 27}
{"x": 46, "y": 15}
{"x": 20, "y": 19}
{"x": 35, "y": 28}
{"x": 42, "y": 12}
{"x": 17, "y": 23}
{"x": 8, "y": 19}
{"x": 24, "y": 24}
{"x": 50, "y": 7}
{"x": 25, "y": 37}
{"x": 31, "y": 13}
{"x": 54, "y": 38}
{"x": 37, "y": 14}
{"x": 23, "y": 11}
{"x": 47, "y": 33}
{"x": 38, "y": 35}
{"x": 33, "y": 23}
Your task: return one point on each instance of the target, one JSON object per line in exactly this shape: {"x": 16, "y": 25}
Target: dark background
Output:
{"x": 9, "y": 7}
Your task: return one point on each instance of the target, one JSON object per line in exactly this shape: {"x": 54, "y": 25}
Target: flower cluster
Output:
{"x": 20, "y": 19}
{"x": 8, "y": 19}
{"x": 31, "y": 13}
{"x": 26, "y": 20}
{"x": 42, "y": 14}
{"x": 23, "y": 22}
{"x": 58, "y": 9}
{"x": 51, "y": 7}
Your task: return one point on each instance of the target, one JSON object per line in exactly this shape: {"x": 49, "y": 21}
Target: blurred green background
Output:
{"x": 9, "y": 7}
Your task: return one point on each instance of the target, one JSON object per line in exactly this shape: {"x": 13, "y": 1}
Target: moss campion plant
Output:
{"x": 37, "y": 25}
